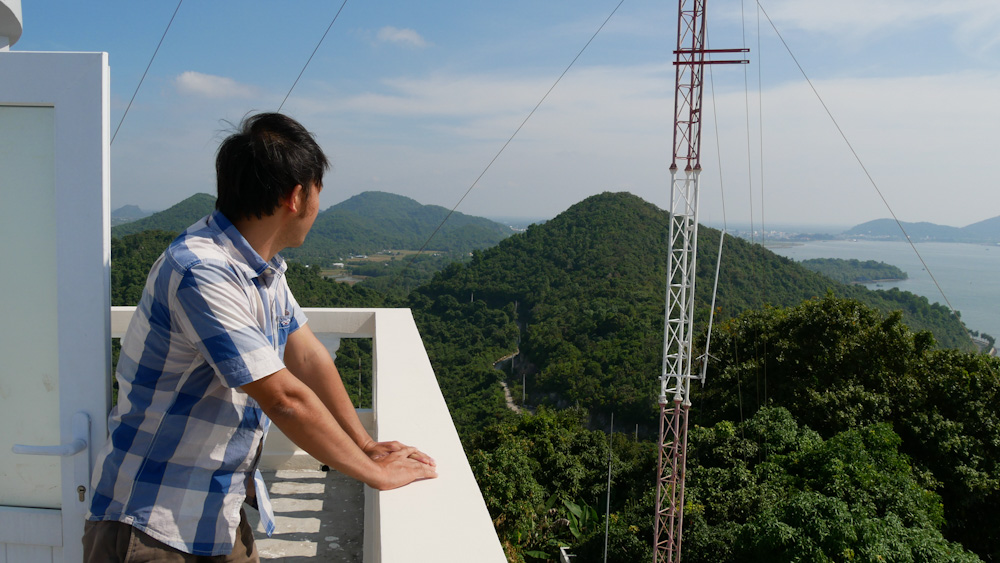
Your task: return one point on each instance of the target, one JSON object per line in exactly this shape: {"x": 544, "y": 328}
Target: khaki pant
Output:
{"x": 117, "y": 542}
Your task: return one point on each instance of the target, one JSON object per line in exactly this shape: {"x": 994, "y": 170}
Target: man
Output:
{"x": 217, "y": 342}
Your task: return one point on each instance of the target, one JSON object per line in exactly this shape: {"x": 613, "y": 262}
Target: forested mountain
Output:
{"x": 364, "y": 224}
{"x": 374, "y": 221}
{"x": 588, "y": 288}
{"x": 583, "y": 295}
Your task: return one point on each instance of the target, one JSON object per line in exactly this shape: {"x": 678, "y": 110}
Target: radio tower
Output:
{"x": 675, "y": 379}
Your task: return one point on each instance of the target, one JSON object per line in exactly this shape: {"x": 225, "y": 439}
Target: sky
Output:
{"x": 418, "y": 98}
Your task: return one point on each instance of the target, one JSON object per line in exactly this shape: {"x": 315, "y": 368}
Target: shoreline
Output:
{"x": 886, "y": 280}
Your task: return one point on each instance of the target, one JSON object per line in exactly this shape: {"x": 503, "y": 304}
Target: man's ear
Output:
{"x": 296, "y": 199}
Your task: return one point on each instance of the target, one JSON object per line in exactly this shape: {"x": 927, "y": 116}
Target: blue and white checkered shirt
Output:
{"x": 184, "y": 437}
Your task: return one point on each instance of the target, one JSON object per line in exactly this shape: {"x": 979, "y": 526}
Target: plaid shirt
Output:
{"x": 184, "y": 438}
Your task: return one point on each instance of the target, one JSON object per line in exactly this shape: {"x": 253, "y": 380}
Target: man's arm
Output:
{"x": 309, "y": 360}
{"x": 301, "y": 415}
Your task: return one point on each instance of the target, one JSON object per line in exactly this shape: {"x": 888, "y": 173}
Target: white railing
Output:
{"x": 441, "y": 520}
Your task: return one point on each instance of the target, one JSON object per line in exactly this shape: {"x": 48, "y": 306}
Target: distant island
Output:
{"x": 855, "y": 271}
{"x": 987, "y": 231}
{"x": 983, "y": 232}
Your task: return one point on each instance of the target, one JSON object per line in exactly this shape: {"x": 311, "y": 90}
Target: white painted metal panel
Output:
{"x": 31, "y": 526}
{"x": 63, "y": 97}
{"x": 29, "y": 382}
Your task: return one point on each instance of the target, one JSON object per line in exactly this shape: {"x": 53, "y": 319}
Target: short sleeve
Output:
{"x": 296, "y": 313}
{"x": 221, "y": 320}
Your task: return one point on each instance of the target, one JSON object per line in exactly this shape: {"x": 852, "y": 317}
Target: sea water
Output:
{"x": 968, "y": 274}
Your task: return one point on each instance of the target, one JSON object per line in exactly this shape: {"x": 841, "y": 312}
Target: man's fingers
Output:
{"x": 404, "y": 468}
{"x": 393, "y": 446}
{"x": 410, "y": 451}
{"x": 423, "y": 458}
{"x": 405, "y": 451}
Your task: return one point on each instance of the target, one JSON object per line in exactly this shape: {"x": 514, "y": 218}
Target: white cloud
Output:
{"x": 406, "y": 37}
{"x": 211, "y": 86}
{"x": 609, "y": 128}
{"x": 926, "y": 141}
{"x": 601, "y": 128}
{"x": 484, "y": 95}
{"x": 972, "y": 24}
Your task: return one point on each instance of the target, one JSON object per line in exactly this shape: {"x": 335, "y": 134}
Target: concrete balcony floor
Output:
{"x": 319, "y": 516}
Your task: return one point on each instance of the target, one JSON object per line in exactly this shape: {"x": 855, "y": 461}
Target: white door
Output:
{"x": 55, "y": 294}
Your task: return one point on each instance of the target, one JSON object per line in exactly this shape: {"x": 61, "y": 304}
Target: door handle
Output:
{"x": 79, "y": 444}
{"x": 81, "y": 431}
{"x": 65, "y": 450}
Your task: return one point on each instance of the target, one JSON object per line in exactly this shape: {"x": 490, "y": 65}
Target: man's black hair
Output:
{"x": 258, "y": 166}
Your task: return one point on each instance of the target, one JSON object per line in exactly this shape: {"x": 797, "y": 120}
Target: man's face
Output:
{"x": 307, "y": 216}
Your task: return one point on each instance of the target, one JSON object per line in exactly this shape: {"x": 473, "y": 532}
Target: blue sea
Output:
{"x": 969, "y": 274}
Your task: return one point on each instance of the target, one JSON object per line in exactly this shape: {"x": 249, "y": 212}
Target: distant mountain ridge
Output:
{"x": 174, "y": 219}
{"x": 128, "y": 213}
{"x": 987, "y": 231}
{"x": 363, "y": 224}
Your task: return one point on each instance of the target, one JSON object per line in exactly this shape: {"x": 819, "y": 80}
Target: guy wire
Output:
{"x": 857, "y": 157}
{"x": 155, "y": 51}
{"x": 504, "y": 147}
{"x": 301, "y": 72}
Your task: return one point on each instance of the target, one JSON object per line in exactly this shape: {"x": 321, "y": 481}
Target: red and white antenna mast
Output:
{"x": 675, "y": 379}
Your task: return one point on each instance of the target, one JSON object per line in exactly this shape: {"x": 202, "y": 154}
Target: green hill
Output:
{"x": 581, "y": 297}
{"x": 584, "y": 294}
{"x": 373, "y": 221}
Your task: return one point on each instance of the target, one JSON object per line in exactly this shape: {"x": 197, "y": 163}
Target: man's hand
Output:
{"x": 311, "y": 364}
{"x": 303, "y": 417}
{"x": 400, "y": 467}
{"x": 378, "y": 450}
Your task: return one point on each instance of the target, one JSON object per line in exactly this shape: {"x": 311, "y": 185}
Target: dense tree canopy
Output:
{"x": 131, "y": 258}
{"x": 827, "y": 432}
{"x": 837, "y": 365}
{"x": 770, "y": 490}
{"x": 544, "y": 476}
